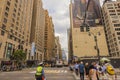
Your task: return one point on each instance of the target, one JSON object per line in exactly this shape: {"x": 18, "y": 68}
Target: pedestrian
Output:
{"x": 86, "y": 69}
{"x": 71, "y": 67}
{"x": 81, "y": 70}
{"x": 76, "y": 68}
{"x": 92, "y": 72}
{"x": 109, "y": 70}
{"x": 39, "y": 75}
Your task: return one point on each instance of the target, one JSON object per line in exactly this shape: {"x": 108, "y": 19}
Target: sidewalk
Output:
{"x": 101, "y": 78}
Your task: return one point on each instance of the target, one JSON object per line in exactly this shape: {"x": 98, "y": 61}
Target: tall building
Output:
{"x": 49, "y": 37}
{"x": 84, "y": 43}
{"x": 58, "y": 48}
{"x": 111, "y": 14}
{"x": 37, "y": 30}
{"x": 15, "y": 25}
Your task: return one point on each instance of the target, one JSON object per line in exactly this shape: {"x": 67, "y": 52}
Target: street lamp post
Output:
{"x": 98, "y": 52}
{"x": 96, "y": 43}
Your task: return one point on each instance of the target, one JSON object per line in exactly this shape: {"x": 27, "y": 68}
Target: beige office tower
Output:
{"x": 37, "y": 31}
{"x": 111, "y": 14}
{"x": 15, "y": 24}
{"x": 49, "y": 37}
{"x": 84, "y": 44}
{"x": 58, "y": 48}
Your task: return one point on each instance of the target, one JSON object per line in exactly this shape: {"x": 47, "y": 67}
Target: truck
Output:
{"x": 59, "y": 63}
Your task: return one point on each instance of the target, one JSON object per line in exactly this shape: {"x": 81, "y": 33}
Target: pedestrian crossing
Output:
{"x": 52, "y": 71}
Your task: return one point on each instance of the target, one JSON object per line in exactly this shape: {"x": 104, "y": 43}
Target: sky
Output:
{"x": 59, "y": 10}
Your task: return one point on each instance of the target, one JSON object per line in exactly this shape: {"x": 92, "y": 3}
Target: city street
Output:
{"x": 28, "y": 74}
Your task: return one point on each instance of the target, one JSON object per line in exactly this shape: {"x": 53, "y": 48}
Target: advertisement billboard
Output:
{"x": 93, "y": 16}
{"x": 33, "y": 49}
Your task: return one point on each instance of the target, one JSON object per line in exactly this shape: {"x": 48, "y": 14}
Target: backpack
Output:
{"x": 110, "y": 70}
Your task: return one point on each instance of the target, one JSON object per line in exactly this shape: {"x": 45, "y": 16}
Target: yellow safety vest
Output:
{"x": 39, "y": 71}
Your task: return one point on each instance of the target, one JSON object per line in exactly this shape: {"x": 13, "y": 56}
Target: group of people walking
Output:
{"x": 94, "y": 71}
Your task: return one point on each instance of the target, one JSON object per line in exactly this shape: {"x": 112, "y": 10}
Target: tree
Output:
{"x": 19, "y": 55}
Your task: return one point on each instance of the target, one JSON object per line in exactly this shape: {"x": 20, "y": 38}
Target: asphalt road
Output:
{"x": 28, "y": 74}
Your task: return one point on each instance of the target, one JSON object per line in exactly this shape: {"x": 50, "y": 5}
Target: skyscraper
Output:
{"x": 15, "y": 22}
{"x": 37, "y": 30}
{"x": 49, "y": 37}
{"x": 111, "y": 14}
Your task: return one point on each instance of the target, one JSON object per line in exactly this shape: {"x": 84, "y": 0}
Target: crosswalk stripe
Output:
{"x": 52, "y": 71}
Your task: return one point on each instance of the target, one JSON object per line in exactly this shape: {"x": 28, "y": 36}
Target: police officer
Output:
{"x": 40, "y": 72}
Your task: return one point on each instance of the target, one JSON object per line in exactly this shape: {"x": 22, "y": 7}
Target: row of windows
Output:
{"x": 14, "y": 38}
{"x": 117, "y": 29}
{"x": 118, "y": 38}
{"x": 116, "y": 25}
{"x": 114, "y": 10}
{"x": 115, "y": 54}
{"x": 118, "y": 33}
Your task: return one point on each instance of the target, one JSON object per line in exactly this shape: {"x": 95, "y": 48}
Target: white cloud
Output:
{"x": 59, "y": 10}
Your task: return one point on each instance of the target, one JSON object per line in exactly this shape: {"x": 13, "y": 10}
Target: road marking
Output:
{"x": 52, "y": 71}
{"x": 33, "y": 72}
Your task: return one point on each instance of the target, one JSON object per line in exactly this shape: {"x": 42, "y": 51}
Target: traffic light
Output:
{"x": 87, "y": 28}
{"x": 82, "y": 28}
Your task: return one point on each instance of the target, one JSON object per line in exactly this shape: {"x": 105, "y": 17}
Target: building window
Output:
{"x": 110, "y": 7}
{"x": 18, "y": 13}
{"x": 118, "y": 33}
{"x": 111, "y": 10}
{"x": 118, "y": 13}
{"x": 7, "y": 9}
{"x": 15, "y": 5}
{"x": 112, "y": 14}
{"x": 14, "y": 10}
{"x": 12, "y": 25}
{"x": 116, "y": 25}
{"x": 5, "y": 20}
{"x": 16, "y": 33}
{"x": 118, "y": 10}
{"x": 6, "y": 14}
{"x": 118, "y": 38}
{"x": 11, "y": 31}
{"x": 16, "y": 1}
{"x": 117, "y": 29}
{"x": 11, "y": 37}
{"x": 8, "y": 3}
{"x": 2, "y": 33}
{"x": 3, "y": 26}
